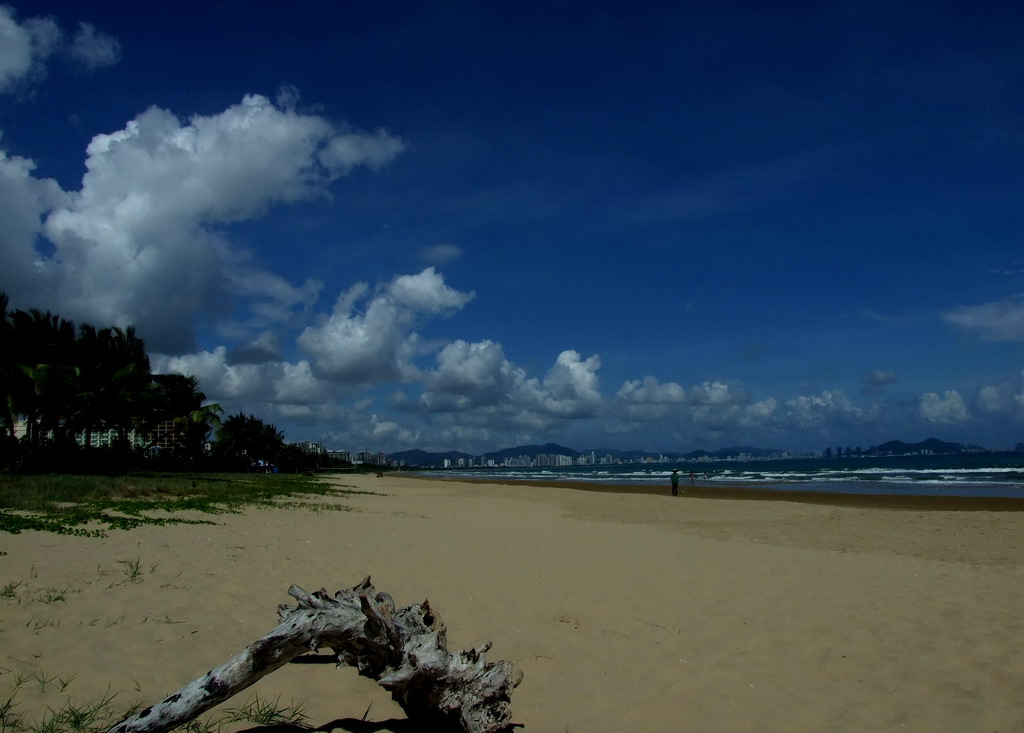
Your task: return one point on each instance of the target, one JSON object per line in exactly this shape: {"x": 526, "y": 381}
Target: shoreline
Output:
{"x": 908, "y": 502}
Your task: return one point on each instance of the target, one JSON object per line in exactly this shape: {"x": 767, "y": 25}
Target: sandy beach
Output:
{"x": 625, "y": 610}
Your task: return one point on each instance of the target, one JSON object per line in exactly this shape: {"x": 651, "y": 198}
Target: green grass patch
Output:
{"x": 97, "y": 715}
{"x": 92, "y": 505}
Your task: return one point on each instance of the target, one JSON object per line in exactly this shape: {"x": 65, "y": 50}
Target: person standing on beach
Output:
{"x": 675, "y": 482}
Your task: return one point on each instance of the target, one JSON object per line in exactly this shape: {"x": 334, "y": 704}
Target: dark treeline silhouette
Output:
{"x": 62, "y": 388}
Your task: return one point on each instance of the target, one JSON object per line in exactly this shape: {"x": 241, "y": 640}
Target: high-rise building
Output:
{"x": 310, "y": 448}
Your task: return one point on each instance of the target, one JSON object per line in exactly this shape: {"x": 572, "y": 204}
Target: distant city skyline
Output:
{"x": 435, "y": 226}
{"x": 553, "y": 455}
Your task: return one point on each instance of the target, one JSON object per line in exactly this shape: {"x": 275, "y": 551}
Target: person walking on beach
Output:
{"x": 675, "y": 482}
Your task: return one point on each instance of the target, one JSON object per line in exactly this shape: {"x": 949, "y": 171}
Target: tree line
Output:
{"x": 61, "y": 386}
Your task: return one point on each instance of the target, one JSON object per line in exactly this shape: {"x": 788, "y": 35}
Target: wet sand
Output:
{"x": 704, "y": 490}
{"x": 625, "y": 609}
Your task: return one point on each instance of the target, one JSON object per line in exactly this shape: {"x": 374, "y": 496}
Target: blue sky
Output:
{"x": 466, "y": 226}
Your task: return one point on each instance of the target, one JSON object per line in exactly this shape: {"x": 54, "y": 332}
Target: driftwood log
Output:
{"x": 405, "y": 650}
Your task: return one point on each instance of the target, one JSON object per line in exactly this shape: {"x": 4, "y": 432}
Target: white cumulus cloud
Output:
{"x": 344, "y": 152}
{"x": 822, "y": 410}
{"x": 475, "y": 387}
{"x": 470, "y": 375}
{"x": 24, "y": 46}
{"x": 704, "y": 409}
{"x": 94, "y": 49}
{"x": 27, "y": 46}
{"x": 716, "y": 393}
{"x": 378, "y": 343}
{"x": 571, "y": 386}
{"x": 24, "y": 200}
{"x": 277, "y": 383}
{"x": 761, "y": 410}
{"x": 999, "y": 320}
{"x": 139, "y": 242}
{"x": 1004, "y": 398}
{"x": 649, "y": 391}
{"x": 948, "y": 408}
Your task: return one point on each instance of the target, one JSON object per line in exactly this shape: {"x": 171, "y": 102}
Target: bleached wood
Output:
{"x": 405, "y": 650}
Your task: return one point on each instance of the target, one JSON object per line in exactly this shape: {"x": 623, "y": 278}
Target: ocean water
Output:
{"x": 969, "y": 474}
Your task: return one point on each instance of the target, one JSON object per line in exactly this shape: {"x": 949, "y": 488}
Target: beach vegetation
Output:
{"x": 38, "y": 623}
{"x": 99, "y": 714}
{"x": 71, "y": 715}
{"x": 263, "y": 711}
{"x": 132, "y": 570}
{"x": 94, "y": 505}
{"x": 52, "y": 595}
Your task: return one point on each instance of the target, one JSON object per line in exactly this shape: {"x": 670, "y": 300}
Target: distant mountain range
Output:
{"x": 931, "y": 445}
{"x": 418, "y": 457}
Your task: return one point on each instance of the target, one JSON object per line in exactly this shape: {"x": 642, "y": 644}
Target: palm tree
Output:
{"x": 178, "y": 399}
{"x": 86, "y": 411}
{"x": 9, "y": 372}
{"x": 42, "y": 381}
{"x": 247, "y": 439}
{"x": 127, "y": 380}
{"x": 112, "y": 381}
{"x": 8, "y": 366}
{"x": 63, "y": 384}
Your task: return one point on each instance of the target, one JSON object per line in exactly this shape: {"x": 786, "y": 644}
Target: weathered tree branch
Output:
{"x": 405, "y": 650}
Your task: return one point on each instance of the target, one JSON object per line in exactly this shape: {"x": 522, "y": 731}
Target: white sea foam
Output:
{"x": 985, "y": 475}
